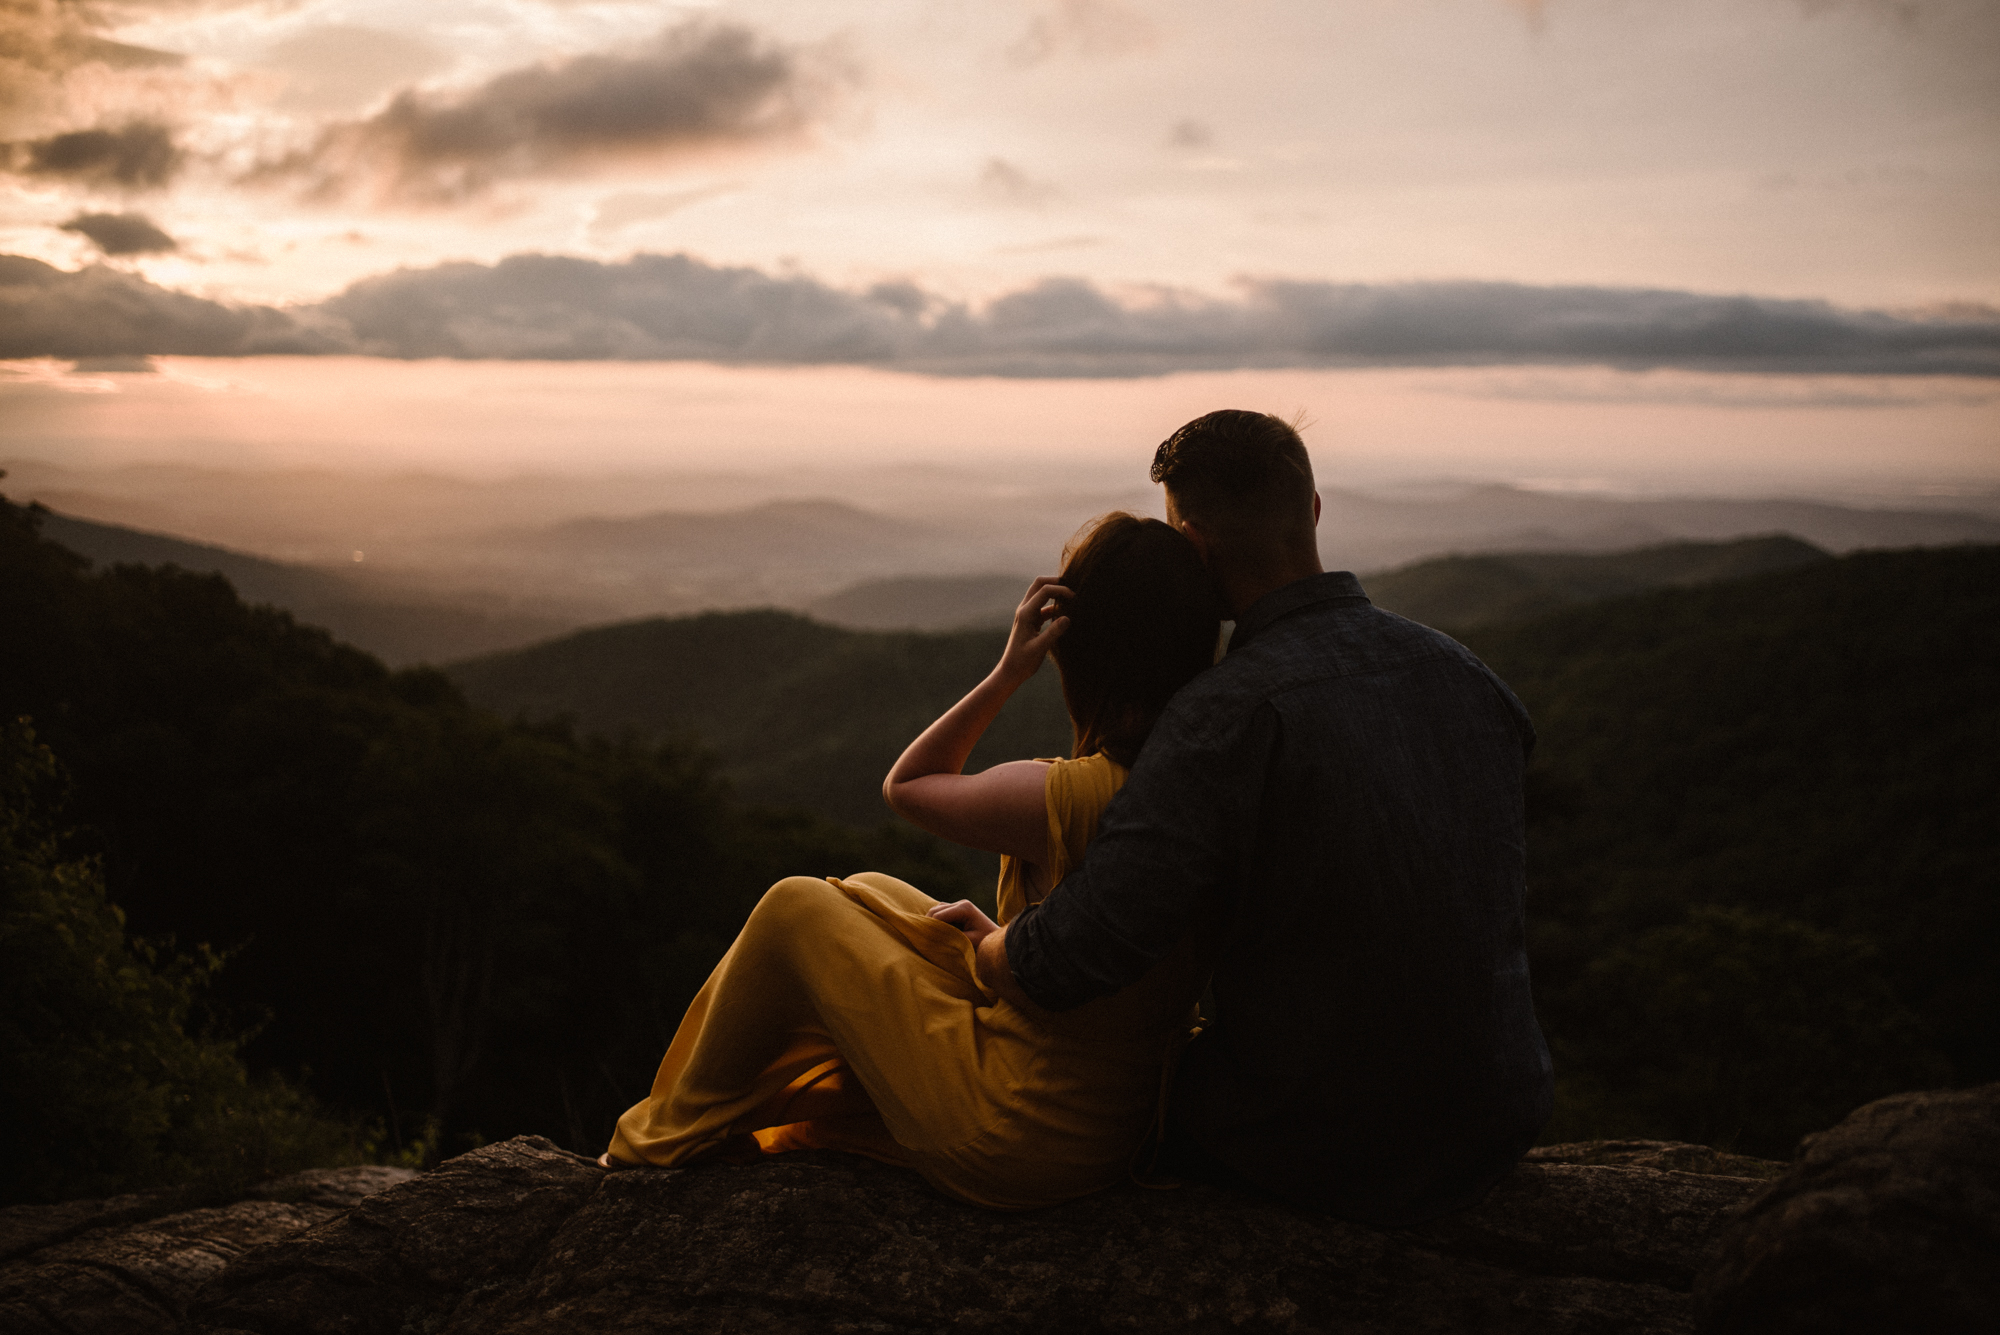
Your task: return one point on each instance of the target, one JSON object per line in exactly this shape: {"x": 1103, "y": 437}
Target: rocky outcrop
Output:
{"x": 522, "y": 1238}
{"x": 525, "y": 1237}
{"x": 132, "y": 1263}
{"x": 1889, "y": 1222}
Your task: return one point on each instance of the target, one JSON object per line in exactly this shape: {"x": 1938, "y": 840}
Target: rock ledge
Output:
{"x": 1900, "y": 1204}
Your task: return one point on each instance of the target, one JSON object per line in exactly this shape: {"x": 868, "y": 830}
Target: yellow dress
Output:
{"x": 845, "y": 1018}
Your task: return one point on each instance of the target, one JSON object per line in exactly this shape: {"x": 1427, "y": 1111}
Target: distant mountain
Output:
{"x": 802, "y": 554}
{"x": 802, "y": 714}
{"x": 1358, "y": 531}
{"x": 398, "y": 629}
{"x": 589, "y": 551}
{"x": 1446, "y": 591}
{"x": 1455, "y": 592}
{"x": 918, "y": 602}
{"x": 811, "y": 714}
{"x": 777, "y": 553}
{"x": 782, "y": 533}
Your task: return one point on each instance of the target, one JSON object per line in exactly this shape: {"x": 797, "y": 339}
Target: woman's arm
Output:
{"x": 1001, "y": 809}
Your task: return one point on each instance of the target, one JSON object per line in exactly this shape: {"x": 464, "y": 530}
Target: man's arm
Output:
{"x": 989, "y": 948}
{"x": 995, "y": 971}
{"x": 1177, "y": 834}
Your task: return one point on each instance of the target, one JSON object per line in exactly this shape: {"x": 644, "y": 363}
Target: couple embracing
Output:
{"x": 1323, "y": 829}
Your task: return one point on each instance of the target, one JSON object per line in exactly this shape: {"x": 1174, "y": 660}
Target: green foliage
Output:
{"x": 446, "y": 917}
{"x": 107, "y": 1081}
{"x": 1735, "y": 1029}
{"x": 1814, "y": 745}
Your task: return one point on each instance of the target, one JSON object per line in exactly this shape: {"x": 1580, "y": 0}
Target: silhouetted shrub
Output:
{"x": 108, "y": 1081}
{"x": 1735, "y": 1029}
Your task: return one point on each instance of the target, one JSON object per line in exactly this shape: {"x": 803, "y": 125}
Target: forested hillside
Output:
{"x": 801, "y": 713}
{"x": 809, "y": 714}
{"x": 1764, "y": 851}
{"x": 1763, "y": 845}
{"x": 1457, "y": 592}
{"x": 437, "y": 917}
{"x": 1764, "y": 821}
{"x": 397, "y": 624}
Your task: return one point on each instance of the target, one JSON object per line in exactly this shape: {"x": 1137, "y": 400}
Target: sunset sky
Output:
{"x": 1621, "y": 240}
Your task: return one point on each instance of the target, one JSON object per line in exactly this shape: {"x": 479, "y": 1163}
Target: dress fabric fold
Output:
{"x": 843, "y": 1017}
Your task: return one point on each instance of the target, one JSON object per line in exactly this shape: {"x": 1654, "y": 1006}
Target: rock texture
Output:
{"x": 522, "y": 1237}
{"x": 1668, "y": 1154}
{"x": 132, "y": 1263}
{"x": 1890, "y": 1222}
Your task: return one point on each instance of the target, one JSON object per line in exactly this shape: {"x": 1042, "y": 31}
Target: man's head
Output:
{"x": 1240, "y": 485}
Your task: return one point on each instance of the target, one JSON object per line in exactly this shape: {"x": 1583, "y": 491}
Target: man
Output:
{"x": 1343, "y": 791}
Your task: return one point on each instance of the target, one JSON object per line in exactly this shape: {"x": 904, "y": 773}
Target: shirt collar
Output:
{"x": 1335, "y": 586}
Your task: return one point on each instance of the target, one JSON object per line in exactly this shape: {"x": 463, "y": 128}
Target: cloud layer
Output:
{"x": 673, "y": 307}
{"x": 101, "y": 312}
{"x": 140, "y": 155}
{"x": 122, "y": 233}
{"x": 79, "y": 108}
{"x": 696, "y": 86}
{"x": 42, "y": 41}
{"x": 658, "y": 306}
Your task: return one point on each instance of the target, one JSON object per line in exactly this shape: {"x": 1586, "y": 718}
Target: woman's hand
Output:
{"x": 1003, "y": 809}
{"x": 1038, "y": 624}
{"x": 966, "y": 917}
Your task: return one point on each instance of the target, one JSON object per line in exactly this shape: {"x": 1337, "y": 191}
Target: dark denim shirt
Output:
{"x": 1339, "y": 800}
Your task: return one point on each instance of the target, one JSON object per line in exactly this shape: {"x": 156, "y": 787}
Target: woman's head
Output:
{"x": 1142, "y": 622}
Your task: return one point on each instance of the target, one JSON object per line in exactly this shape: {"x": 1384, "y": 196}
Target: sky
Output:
{"x": 1690, "y": 243}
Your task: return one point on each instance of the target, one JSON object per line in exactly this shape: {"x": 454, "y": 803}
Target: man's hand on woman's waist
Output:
{"x": 989, "y": 947}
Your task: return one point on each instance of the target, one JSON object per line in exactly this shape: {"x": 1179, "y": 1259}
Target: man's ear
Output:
{"x": 1193, "y": 533}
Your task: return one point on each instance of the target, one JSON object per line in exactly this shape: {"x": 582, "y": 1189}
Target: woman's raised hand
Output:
{"x": 1038, "y": 624}
{"x": 1001, "y": 809}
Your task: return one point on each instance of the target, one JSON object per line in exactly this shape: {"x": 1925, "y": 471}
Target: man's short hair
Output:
{"x": 1243, "y": 474}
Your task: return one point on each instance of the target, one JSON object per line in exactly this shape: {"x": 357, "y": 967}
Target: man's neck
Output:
{"x": 1244, "y": 589}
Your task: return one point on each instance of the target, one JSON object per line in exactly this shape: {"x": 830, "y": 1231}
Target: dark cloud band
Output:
{"x": 138, "y": 156}
{"x": 122, "y": 233}
{"x": 672, "y": 307}
{"x": 657, "y": 306}
{"x": 101, "y": 312}
{"x": 697, "y": 85}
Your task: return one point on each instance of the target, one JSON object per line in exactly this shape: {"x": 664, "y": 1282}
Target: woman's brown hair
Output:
{"x": 1142, "y": 622}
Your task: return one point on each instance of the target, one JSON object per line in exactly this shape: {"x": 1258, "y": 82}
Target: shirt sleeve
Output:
{"x": 1176, "y": 836}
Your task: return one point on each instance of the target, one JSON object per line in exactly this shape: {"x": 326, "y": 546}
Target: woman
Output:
{"x": 849, "y": 1015}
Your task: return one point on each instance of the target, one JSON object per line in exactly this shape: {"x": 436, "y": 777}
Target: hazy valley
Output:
{"x": 429, "y": 568}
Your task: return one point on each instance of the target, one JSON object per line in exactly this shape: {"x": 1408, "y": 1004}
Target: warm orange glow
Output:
{"x": 1583, "y": 427}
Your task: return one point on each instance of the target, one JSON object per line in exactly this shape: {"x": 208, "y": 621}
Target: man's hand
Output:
{"x": 989, "y": 946}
